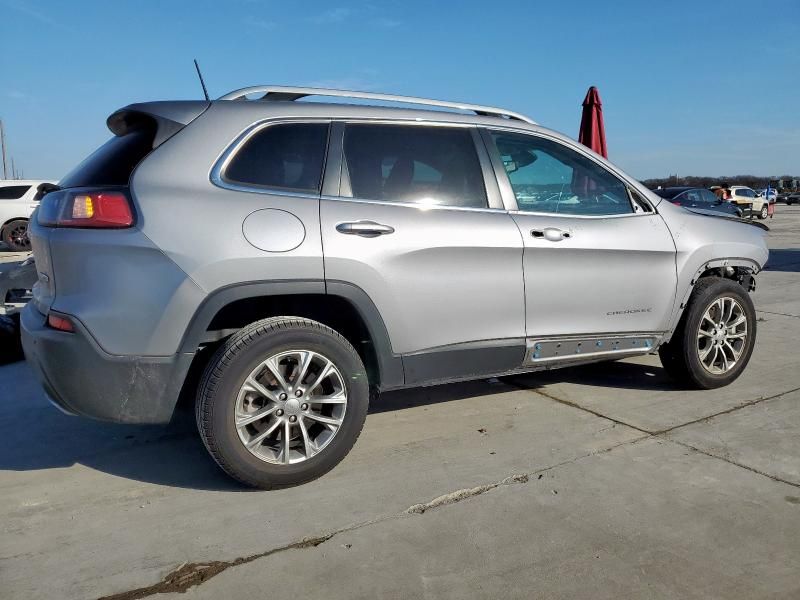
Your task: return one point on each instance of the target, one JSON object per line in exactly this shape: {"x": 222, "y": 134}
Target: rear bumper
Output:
{"x": 81, "y": 379}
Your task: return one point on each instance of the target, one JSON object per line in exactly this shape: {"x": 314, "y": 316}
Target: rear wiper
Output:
{"x": 45, "y": 188}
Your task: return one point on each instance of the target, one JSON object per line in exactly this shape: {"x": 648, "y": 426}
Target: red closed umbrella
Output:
{"x": 593, "y": 132}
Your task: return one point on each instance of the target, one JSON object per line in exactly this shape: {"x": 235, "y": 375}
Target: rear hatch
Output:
{"x": 102, "y": 178}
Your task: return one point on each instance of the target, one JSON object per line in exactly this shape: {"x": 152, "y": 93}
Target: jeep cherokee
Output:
{"x": 301, "y": 257}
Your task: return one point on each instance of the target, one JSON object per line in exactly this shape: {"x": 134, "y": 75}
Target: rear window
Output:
{"x": 12, "y": 192}
{"x": 284, "y": 157}
{"x": 416, "y": 164}
{"x": 113, "y": 162}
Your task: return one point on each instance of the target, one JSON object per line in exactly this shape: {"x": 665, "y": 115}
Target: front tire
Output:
{"x": 282, "y": 402}
{"x": 764, "y": 212}
{"x": 715, "y": 337}
{"x": 15, "y": 235}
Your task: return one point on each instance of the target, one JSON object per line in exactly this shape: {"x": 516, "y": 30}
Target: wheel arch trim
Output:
{"x": 390, "y": 365}
{"x": 682, "y": 299}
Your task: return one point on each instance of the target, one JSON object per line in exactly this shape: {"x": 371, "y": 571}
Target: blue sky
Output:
{"x": 699, "y": 87}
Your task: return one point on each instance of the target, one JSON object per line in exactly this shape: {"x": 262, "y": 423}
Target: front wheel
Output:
{"x": 715, "y": 338}
{"x": 15, "y": 235}
{"x": 764, "y": 212}
{"x": 282, "y": 402}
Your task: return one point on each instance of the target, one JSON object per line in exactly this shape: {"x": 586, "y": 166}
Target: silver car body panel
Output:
{"x": 610, "y": 274}
{"x": 443, "y": 277}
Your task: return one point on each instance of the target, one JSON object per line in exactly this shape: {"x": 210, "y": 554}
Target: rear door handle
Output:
{"x": 551, "y": 234}
{"x": 364, "y": 228}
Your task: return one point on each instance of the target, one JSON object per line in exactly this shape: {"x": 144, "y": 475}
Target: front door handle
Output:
{"x": 364, "y": 228}
{"x": 551, "y": 234}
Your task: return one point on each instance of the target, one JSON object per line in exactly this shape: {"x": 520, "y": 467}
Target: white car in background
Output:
{"x": 771, "y": 194}
{"x": 746, "y": 197}
{"x": 16, "y": 205}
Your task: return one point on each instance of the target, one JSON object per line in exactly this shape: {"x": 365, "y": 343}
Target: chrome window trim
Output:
{"x": 507, "y": 192}
{"x": 569, "y": 216}
{"x": 422, "y": 207}
{"x": 217, "y": 173}
{"x": 345, "y": 175}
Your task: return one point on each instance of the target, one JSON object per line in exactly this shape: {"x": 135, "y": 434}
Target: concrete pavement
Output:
{"x": 597, "y": 482}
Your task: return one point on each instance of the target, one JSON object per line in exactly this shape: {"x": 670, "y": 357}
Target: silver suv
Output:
{"x": 280, "y": 262}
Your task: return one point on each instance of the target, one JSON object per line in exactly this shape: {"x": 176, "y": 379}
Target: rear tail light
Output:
{"x": 99, "y": 209}
{"x": 60, "y": 323}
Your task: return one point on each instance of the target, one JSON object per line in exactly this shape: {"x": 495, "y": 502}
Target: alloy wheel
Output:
{"x": 290, "y": 407}
{"x": 722, "y": 335}
{"x": 18, "y": 236}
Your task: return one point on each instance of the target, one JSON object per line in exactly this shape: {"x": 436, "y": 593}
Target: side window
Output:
{"x": 709, "y": 197}
{"x": 13, "y": 192}
{"x": 289, "y": 157}
{"x": 693, "y": 196}
{"x": 418, "y": 164}
{"x": 548, "y": 177}
{"x": 640, "y": 205}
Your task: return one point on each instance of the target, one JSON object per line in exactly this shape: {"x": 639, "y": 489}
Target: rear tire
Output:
{"x": 764, "y": 213}
{"x": 691, "y": 355}
{"x": 15, "y": 235}
{"x": 314, "y": 408}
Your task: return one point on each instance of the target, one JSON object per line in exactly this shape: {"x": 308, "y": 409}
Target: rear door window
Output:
{"x": 13, "y": 192}
{"x": 287, "y": 156}
{"x": 417, "y": 164}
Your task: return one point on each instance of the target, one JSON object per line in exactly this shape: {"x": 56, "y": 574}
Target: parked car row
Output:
{"x": 743, "y": 201}
{"x": 699, "y": 199}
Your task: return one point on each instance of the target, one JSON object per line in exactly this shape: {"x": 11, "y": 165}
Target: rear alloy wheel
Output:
{"x": 764, "y": 212}
{"x": 715, "y": 338}
{"x": 282, "y": 402}
{"x": 290, "y": 407}
{"x": 15, "y": 236}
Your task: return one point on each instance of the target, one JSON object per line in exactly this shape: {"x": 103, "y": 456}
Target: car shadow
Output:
{"x": 35, "y": 436}
{"x": 786, "y": 260}
{"x": 618, "y": 375}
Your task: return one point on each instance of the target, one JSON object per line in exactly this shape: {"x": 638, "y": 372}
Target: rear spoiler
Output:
{"x": 169, "y": 117}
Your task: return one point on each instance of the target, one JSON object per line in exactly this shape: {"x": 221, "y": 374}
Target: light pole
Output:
{"x": 3, "y": 145}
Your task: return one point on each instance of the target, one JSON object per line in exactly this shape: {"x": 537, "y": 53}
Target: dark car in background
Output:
{"x": 699, "y": 199}
{"x": 790, "y": 197}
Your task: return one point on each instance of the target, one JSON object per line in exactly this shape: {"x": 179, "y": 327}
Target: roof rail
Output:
{"x": 279, "y": 92}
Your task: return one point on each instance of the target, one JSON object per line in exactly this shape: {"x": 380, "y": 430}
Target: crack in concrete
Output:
{"x": 727, "y": 411}
{"x": 733, "y": 462}
{"x": 189, "y": 575}
{"x": 550, "y": 396}
{"x": 663, "y": 433}
{"x": 766, "y": 312}
{"x": 463, "y": 494}
{"x": 657, "y": 432}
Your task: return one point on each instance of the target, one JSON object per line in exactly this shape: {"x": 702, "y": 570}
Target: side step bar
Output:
{"x": 552, "y": 349}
